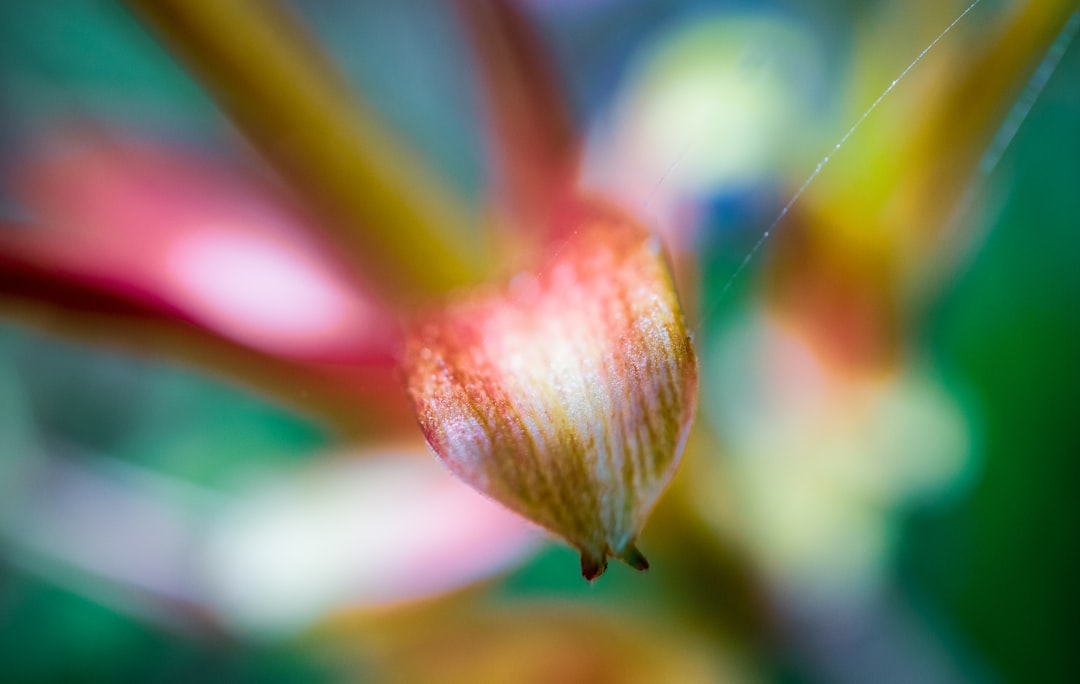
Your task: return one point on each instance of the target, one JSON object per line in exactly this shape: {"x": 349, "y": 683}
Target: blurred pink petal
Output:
{"x": 532, "y": 141}
{"x": 194, "y": 238}
{"x": 361, "y": 531}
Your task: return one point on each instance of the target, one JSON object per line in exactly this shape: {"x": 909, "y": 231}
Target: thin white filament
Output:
{"x": 836, "y": 148}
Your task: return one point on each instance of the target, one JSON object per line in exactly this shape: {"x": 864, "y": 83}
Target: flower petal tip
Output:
{"x": 592, "y": 566}
{"x": 633, "y": 557}
{"x": 568, "y": 396}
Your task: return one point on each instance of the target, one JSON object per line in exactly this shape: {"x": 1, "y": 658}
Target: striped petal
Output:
{"x": 568, "y": 395}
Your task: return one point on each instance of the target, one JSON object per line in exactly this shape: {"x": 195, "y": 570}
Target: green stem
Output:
{"x": 381, "y": 205}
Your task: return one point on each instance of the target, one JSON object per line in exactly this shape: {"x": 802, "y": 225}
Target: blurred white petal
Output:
{"x": 823, "y": 461}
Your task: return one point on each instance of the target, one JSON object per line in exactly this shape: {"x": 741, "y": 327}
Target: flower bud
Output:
{"x": 567, "y": 396}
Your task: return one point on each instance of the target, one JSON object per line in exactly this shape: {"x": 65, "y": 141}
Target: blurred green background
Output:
{"x": 989, "y": 573}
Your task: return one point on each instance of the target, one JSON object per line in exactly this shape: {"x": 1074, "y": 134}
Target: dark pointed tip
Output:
{"x": 592, "y": 567}
{"x": 634, "y": 558}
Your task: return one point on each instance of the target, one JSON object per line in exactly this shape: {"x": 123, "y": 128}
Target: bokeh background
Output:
{"x": 165, "y": 518}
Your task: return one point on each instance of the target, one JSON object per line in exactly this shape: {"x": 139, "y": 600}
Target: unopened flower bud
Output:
{"x": 567, "y": 396}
